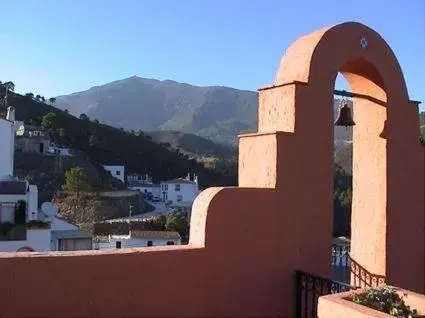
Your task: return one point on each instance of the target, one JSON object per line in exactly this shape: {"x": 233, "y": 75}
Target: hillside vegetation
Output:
{"x": 193, "y": 145}
{"x": 105, "y": 144}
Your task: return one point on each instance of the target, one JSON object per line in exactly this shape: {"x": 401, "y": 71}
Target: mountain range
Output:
{"x": 215, "y": 112}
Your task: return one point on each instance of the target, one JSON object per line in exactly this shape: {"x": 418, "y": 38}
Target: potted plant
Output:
{"x": 386, "y": 299}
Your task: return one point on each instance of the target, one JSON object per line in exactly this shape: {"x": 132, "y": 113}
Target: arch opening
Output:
{"x": 360, "y": 180}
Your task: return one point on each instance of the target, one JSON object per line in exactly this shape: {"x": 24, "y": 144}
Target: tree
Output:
{"x": 43, "y": 100}
{"x": 38, "y": 98}
{"x": 66, "y": 111}
{"x": 84, "y": 117}
{"x": 30, "y": 95}
{"x": 176, "y": 221}
{"x": 159, "y": 221}
{"x": 10, "y": 86}
{"x": 76, "y": 180}
{"x": 49, "y": 120}
{"x": 96, "y": 121}
{"x": 52, "y": 100}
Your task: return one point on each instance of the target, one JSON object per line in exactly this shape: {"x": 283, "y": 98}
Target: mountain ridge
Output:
{"x": 214, "y": 112}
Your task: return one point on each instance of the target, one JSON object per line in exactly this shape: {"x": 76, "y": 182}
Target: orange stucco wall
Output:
{"x": 247, "y": 241}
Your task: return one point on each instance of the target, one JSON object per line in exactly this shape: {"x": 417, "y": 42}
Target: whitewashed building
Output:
{"x": 20, "y": 228}
{"x": 135, "y": 177}
{"x": 137, "y": 239}
{"x": 116, "y": 171}
{"x": 68, "y": 237}
{"x": 57, "y": 150}
{"x": 180, "y": 190}
{"x": 7, "y": 143}
{"x": 143, "y": 184}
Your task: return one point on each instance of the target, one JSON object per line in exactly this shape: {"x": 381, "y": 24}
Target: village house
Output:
{"x": 144, "y": 184}
{"x": 136, "y": 177}
{"x": 137, "y": 239}
{"x": 180, "y": 190}
{"x": 58, "y": 150}
{"x": 30, "y": 138}
{"x": 65, "y": 236}
{"x": 18, "y": 200}
{"x": 117, "y": 171}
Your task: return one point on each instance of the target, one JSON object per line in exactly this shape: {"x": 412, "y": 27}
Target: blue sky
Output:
{"x": 54, "y": 47}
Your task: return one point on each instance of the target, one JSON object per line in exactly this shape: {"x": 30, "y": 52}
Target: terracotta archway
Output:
{"x": 388, "y": 162}
{"x": 294, "y": 145}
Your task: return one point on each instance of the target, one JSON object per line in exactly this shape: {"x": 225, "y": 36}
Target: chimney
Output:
{"x": 10, "y": 114}
{"x": 188, "y": 177}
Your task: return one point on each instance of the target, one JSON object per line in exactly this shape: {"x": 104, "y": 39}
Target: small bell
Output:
{"x": 344, "y": 117}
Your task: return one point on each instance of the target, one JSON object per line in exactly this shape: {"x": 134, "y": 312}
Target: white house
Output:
{"x": 180, "y": 190}
{"x": 150, "y": 190}
{"x": 68, "y": 237}
{"x": 20, "y": 229}
{"x": 116, "y": 171}
{"x": 54, "y": 149}
{"x": 137, "y": 239}
{"x": 135, "y": 177}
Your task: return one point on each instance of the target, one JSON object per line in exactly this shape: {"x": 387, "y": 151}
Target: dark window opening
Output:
{"x": 150, "y": 243}
{"x": 118, "y": 244}
{"x": 170, "y": 243}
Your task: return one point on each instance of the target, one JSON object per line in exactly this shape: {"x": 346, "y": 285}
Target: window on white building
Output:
{"x": 118, "y": 173}
{"x": 179, "y": 198}
{"x": 150, "y": 243}
{"x": 177, "y": 187}
{"x": 170, "y": 243}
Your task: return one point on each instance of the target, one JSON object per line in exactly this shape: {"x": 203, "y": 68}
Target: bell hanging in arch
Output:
{"x": 344, "y": 117}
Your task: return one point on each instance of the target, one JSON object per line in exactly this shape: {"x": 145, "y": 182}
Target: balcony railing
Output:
{"x": 308, "y": 289}
{"x": 347, "y": 274}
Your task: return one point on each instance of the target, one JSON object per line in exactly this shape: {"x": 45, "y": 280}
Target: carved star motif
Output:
{"x": 363, "y": 42}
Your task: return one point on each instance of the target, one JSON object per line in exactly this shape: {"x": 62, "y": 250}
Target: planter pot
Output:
{"x": 341, "y": 306}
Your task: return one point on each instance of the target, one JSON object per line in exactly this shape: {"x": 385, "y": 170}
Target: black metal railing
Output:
{"x": 308, "y": 290}
{"x": 361, "y": 277}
